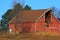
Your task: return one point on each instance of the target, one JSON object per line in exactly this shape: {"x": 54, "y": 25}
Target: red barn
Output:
{"x": 34, "y": 21}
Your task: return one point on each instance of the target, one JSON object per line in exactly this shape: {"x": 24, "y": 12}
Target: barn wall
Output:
{"x": 32, "y": 27}
{"x": 40, "y": 24}
{"x": 18, "y": 27}
{"x": 59, "y": 27}
{"x": 25, "y": 27}
{"x": 12, "y": 26}
{"x": 54, "y": 23}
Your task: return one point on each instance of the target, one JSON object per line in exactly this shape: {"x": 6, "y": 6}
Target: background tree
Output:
{"x": 0, "y": 23}
{"x": 27, "y": 7}
{"x": 6, "y": 18}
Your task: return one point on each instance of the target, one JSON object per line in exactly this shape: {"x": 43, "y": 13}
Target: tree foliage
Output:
{"x": 17, "y": 7}
{"x": 0, "y": 23}
{"x": 27, "y": 7}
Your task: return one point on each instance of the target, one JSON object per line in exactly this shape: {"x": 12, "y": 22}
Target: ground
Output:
{"x": 30, "y": 36}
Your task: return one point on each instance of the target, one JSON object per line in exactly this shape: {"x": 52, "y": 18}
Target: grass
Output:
{"x": 32, "y": 36}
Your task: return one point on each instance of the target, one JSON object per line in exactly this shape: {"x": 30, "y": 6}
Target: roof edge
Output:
{"x": 12, "y": 19}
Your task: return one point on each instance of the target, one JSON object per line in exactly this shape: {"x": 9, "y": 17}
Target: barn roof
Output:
{"x": 28, "y": 16}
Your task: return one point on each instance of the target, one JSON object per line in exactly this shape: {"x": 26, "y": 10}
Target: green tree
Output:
{"x": 27, "y": 7}
{"x": 0, "y": 23}
{"x": 6, "y": 18}
{"x": 17, "y": 8}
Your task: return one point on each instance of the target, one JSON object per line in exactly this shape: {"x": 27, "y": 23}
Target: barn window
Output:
{"x": 48, "y": 18}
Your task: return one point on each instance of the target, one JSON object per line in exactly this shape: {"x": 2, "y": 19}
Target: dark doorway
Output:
{"x": 48, "y": 18}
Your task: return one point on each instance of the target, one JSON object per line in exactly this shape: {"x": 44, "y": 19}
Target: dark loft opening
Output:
{"x": 48, "y": 18}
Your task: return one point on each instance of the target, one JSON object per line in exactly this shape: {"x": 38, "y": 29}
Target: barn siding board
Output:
{"x": 32, "y": 27}
{"x": 40, "y": 24}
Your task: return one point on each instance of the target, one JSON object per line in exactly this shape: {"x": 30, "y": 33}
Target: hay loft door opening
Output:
{"x": 48, "y": 18}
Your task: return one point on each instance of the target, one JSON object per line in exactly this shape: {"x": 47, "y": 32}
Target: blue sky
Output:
{"x": 35, "y": 4}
